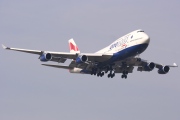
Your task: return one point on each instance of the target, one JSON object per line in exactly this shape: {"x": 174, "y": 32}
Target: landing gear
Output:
{"x": 111, "y": 75}
{"x": 97, "y": 72}
{"x": 107, "y": 69}
{"x": 100, "y": 74}
{"x": 93, "y": 72}
{"x": 124, "y": 75}
{"x": 125, "y": 72}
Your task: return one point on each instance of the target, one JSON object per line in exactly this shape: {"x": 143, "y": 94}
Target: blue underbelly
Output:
{"x": 128, "y": 52}
{"x": 123, "y": 54}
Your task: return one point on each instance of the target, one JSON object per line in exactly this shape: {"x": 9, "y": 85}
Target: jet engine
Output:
{"x": 81, "y": 59}
{"x": 45, "y": 57}
{"x": 148, "y": 67}
{"x": 164, "y": 70}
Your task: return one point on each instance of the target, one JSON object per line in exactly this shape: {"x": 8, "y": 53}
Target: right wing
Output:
{"x": 145, "y": 65}
{"x": 62, "y": 56}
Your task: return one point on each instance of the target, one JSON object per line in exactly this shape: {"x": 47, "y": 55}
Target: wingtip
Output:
{"x": 174, "y": 64}
{"x": 4, "y": 47}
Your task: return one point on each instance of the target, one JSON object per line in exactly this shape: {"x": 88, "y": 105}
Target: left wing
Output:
{"x": 62, "y": 56}
{"x": 144, "y": 65}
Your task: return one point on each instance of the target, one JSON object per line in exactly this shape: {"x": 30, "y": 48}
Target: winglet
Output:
{"x": 175, "y": 65}
{"x": 4, "y": 47}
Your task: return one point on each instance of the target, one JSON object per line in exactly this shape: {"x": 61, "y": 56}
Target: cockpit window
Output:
{"x": 140, "y": 31}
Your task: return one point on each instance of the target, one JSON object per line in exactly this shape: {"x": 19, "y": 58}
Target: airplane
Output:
{"x": 122, "y": 56}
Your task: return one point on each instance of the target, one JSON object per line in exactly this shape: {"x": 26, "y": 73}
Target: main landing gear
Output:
{"x": 99, "y": 74}
{"x": 124, "y": 75}
{"x": 111, "y": 75}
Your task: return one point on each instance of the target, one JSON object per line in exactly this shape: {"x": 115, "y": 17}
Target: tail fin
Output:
{"x": 73, "y": 47}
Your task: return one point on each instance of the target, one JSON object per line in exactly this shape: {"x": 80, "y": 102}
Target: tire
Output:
{"x": 125, "y": 76}
{"x": 102, "y": 73}
{"x": 122, "y": 76}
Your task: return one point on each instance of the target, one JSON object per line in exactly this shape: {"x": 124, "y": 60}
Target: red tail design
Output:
{"x": 73, "y": 47}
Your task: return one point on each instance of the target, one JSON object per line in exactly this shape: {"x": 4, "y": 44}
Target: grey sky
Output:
{"x": 31, "y": 91}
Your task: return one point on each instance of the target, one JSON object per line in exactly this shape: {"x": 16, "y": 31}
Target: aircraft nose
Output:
{"x": 146, "y": 39}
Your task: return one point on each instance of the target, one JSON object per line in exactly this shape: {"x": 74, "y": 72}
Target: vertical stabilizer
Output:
{"x": 73, "y": 47}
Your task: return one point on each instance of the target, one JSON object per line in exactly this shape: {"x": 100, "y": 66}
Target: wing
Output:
{"x": 63, "y": 56}
{"x": 145, "y": 65}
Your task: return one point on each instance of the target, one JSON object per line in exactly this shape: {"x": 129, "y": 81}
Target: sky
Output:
{"x": 29, "y": 90}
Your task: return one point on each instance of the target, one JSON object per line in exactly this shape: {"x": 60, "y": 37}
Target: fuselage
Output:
{"x": 129, "y": 45}
{"x": 135, "y": 38}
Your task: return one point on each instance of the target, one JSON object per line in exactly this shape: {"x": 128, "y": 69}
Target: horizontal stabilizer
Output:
{"x": 58, "y": 66}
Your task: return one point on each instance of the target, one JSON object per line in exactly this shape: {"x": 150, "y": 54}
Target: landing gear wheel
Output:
{"x": 98, "y": 75}
{"x": 125, "y": 76}
{"x": 122, "y": 76}
{"x": 109, "y": 75}
{"x": 102, "y": 73}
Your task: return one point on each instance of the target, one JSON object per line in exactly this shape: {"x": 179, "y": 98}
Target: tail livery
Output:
{"x": 73, "y": 47}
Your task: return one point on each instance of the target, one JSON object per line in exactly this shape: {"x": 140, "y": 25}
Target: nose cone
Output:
{"x": 146, "y": 39}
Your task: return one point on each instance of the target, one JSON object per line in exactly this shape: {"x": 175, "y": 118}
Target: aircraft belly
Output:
{"x": 125, "y": 53}
{"x": 128, "y": 52}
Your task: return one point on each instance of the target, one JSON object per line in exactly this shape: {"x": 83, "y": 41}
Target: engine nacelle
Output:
{"x": 81, "y": 59}
{"x": 45, "y": 57}
{"x": 149, "y": 67}
{"x": 164, "y": 70}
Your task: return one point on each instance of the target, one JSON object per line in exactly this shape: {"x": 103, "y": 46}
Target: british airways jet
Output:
{"x": 119, "y": 57}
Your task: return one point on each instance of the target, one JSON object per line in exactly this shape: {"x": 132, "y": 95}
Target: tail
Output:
{"x": 73, "y": 47}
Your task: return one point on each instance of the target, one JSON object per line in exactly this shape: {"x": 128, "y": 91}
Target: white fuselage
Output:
{"x": 132, "y": 39}
{"x": 128, "y": 41}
